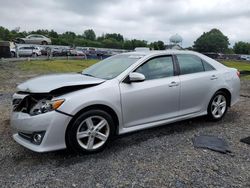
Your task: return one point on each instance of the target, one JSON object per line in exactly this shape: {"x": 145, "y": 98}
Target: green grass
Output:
{"x": 239, "y": 65}
{"x": 56, "y": 66}
{"x": 78, "y": 65}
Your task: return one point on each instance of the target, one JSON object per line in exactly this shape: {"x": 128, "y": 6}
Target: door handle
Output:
{"x": 213, "y": 77}
{"x": 173, "y": 84}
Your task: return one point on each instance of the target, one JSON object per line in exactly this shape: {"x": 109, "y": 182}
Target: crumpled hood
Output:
{"x": 48, "y": 83}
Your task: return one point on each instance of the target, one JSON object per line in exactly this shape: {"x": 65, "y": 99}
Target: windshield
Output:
{"x": 111, "y": 67}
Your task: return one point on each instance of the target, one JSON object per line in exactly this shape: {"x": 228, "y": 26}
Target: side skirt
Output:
{"x": 123, "y": 130}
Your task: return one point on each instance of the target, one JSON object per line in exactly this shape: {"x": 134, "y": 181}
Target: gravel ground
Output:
{"x": 159, "y": 157}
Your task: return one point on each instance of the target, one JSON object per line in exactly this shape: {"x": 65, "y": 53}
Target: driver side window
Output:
{"x": 159, "y": 67}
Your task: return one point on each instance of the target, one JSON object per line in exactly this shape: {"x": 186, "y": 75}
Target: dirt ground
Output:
{"x": 159, "y": 157}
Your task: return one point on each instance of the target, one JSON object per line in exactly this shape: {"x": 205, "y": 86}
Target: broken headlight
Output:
{"x": 44, "y": 106}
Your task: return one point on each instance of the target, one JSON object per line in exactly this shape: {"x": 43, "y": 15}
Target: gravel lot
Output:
{"x": 159, "y": 157}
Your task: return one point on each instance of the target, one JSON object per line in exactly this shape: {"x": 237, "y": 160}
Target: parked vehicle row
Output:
{"x": 34, "y": 50}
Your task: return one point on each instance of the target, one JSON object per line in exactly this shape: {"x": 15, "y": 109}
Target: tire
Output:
{"x": 90, "y": 132}
{"x": 218, "y": 106}
{"x": 44, "y": 43}
{"x": 21, "y": 42}
{"x": 34, "y": 55}
{"x": 13, "y": 54}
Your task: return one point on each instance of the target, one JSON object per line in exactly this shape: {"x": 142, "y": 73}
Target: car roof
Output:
{"x": 161, "y": 52}
{"x": 146, "y": 54}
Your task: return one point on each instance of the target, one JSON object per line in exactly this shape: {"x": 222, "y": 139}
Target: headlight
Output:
{"x": 44, "y": 106}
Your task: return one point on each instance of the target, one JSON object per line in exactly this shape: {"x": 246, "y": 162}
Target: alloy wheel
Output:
{"x": 93, "y": 132}
{"x": 219, "y": 105}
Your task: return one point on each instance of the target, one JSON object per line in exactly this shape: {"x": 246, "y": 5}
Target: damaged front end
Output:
{"x": 38, "y": 103}
{"x": 35, "y": 104}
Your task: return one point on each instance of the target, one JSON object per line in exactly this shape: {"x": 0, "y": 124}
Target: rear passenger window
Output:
{"x": 189, "y": 64}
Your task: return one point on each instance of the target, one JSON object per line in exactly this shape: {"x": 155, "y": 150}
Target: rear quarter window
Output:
{"x": 207, "y": 66}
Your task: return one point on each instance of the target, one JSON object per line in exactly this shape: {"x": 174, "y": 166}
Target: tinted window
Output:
{"x": 189, "y": 64}
{"x": 207, "y": 66}
{"x": 159, "y": 67}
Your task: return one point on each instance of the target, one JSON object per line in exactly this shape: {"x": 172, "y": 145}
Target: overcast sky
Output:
{"x": 142, "y": 19}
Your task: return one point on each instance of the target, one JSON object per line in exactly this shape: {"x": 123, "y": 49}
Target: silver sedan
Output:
{"x": 35, "y": 39}
{"x": 121, "y": 94}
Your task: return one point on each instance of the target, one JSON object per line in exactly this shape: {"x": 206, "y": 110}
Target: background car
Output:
{"x": 28, "y": 51}
{"x": 245, "y": 57}
{"x": 34, "y": 39}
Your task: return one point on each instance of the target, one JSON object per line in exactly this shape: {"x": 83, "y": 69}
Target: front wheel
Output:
{"x": 13, "y": 54}
{"x": 34, "y": 55}
{"x": 90, "y": 132}
{"x": 218, "y": 106}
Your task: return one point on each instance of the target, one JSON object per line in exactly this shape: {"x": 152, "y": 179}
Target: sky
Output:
{"x": 150, "y": 20}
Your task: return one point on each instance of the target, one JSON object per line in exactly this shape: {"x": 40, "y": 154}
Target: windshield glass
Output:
{"x": 111, "y": 67}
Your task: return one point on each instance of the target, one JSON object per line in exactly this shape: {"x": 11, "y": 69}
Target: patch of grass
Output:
{"x": 56, "y": 65}
{"x": 239, "y": 65}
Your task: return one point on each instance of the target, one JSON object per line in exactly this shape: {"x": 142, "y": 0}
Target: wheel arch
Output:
{"x": 44, "y": 42}
{"x": 103, "y": 107}
{"x": 228, "y": 93}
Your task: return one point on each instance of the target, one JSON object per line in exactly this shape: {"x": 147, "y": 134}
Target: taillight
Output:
{"x": 238, "y": 73}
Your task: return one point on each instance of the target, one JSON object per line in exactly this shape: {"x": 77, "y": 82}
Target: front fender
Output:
{"x": 107, "y": 94}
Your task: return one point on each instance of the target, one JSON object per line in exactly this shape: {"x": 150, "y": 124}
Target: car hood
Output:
{"x": 58, "y": 83}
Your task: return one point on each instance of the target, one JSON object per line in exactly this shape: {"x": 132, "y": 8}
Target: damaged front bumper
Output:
{"x": 41, "y": 133}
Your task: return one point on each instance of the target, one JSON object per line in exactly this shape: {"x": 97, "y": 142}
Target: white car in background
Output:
{"x": 27, "y": 51}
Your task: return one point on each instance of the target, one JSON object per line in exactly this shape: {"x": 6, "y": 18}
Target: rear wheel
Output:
{"x": 218, "y": 106}
{"x": 90, "y": 132}
{"x": 21, "y": 41}
{"x": 44, "y": 43}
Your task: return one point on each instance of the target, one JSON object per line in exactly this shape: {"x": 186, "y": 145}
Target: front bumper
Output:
{"x": 53, "y": 123}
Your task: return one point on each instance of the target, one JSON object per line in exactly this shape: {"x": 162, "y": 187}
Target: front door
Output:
{"x": 156, "y": 98}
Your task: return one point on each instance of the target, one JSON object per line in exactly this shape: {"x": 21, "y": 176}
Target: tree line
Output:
{"x": 87, "y": 38}
{"x": 211, "y": 41}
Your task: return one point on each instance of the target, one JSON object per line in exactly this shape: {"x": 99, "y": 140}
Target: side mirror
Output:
{"x": 136, "y": 77}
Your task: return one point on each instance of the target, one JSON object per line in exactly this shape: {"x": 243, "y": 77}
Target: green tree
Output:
{"x": 242, "y": 48}
{"x": 128, "y": 45}
{"x": 212, "y": 41}
{"x": 159, "y": 45}
{"x": 53, "y": 34}
{"x": 89, "y": 34}
{"x": 111, "y": 43}
{"x": 138, "y": 43}
{"x": 115, "y": 36}
{"x": 4, "y": 33}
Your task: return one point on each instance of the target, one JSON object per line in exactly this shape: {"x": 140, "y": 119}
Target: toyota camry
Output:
{"x": 121, "y": 94}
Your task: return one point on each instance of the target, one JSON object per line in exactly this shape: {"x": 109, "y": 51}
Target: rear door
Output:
{"x": 198, "y": 82}
{"x": 156, "y": 98}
